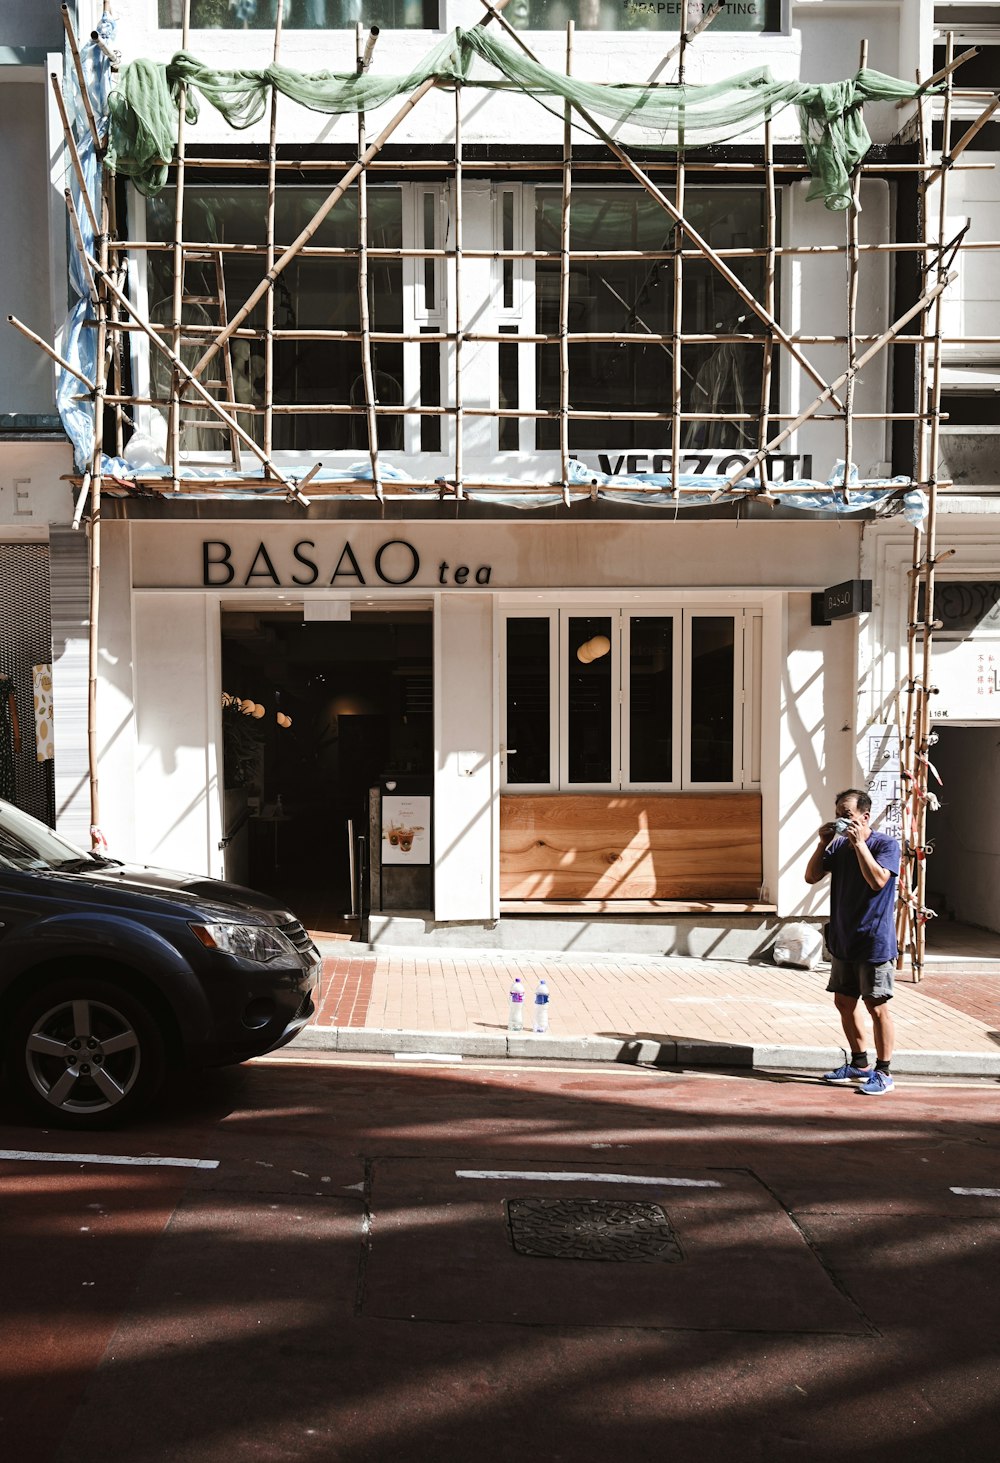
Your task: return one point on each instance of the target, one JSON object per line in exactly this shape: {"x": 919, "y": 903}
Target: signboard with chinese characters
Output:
{"x": 967, "y": 675}
{"x": 880, "y": 756}
{"x": 406, "y": 830}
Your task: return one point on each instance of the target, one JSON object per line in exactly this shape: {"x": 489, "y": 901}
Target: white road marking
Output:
{"x": 17, "y": 1155}
{"x": 427, "y": 1056}
{"x": 594, "y": 1178}
{"x": 979, "y": 1193}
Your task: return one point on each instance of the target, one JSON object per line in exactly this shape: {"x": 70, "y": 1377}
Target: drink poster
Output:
{"x": 406, "y": 830}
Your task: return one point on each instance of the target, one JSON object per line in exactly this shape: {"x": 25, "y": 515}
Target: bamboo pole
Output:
{"x": 964, "y": 141}
{"x": 770, "y": 271}
{"x": 687, "y": 36}
{"x": 930, "y": 539}
{"x": 367, "y": 372}
{"x": 97, "y": 469}
{"x": 506, "y": 165}
{"x": 272, "y": 173}
{"x": 348, "y": 251}
{"x": 189, "y": 377}
{"x": 53, "y": 354}
{"x": 458, "y": 396}
{"x": 676, "y": 376}
{"x": 81, "y": 78}
{"x": 177, "y": 302}
{"x": 853, "y": 215}
{"x": 74, "y": 155}
{"x": 564, "y": 254}
{"x": 331, "y": 200}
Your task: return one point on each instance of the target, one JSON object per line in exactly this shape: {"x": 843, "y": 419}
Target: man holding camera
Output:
{"x": 861, "y": 935}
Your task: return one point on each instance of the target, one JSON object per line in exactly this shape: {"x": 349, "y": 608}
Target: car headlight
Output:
{"x": 250, "y": 942}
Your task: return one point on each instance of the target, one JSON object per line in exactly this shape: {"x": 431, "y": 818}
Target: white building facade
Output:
{"x": 610, "y": 718}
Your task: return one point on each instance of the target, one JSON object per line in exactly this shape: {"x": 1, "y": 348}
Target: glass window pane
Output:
{"x": 635, "y": 297}
{"x": 310, "y": 294}
{"x": 589, "y": 699}
{"x": 713, "y": 669}
{"x": 651, "y": 699}
{"x": 529, "y": 715}
{"x": 655, "y": 15}
{"x": 300, "y": 15}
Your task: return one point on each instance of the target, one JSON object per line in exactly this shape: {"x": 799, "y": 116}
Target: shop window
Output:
{"x": 745, "y": 16}
{"x": 636, "y": 297}
{"x": 300, "y": 14}
{"x": 644, "y": 698}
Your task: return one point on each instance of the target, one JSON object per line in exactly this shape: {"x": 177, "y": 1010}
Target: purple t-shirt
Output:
{"x": 862, "y": 919}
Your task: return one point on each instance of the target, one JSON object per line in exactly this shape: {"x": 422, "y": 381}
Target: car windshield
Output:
{"x": 26, "y": 844}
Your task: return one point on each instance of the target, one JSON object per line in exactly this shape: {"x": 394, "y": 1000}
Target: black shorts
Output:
{"x": 861, "y": 979}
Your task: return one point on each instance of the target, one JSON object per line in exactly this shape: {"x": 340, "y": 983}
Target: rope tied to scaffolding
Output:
{"x": 143, "y": 108}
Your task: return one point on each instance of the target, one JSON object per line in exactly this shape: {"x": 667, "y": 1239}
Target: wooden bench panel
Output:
{"x": 639, "y": 847}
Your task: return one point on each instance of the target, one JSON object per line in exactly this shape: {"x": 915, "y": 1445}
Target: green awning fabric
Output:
{"x": 143, "y": 107}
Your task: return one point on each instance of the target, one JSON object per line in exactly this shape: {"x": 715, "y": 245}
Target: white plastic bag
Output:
{"x": 800, "y": 945}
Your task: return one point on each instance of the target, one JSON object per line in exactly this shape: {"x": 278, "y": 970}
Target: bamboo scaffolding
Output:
{"x": 189, "y": 377}
{"x": 885, "y": 339}
{"x": 642, "y": 177}
{"x": 330, "y": 202}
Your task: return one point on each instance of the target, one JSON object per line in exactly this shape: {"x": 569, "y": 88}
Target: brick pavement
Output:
{"x": 626, "y": 998}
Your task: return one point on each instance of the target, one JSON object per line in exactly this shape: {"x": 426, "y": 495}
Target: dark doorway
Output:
{"x": 320, "y": 712}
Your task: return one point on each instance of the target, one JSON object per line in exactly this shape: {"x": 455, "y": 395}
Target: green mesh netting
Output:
{"x": 143, "y": 108}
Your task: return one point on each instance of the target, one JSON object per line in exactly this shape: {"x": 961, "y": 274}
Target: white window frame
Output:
{"x": 747, "y": 694}
{"x": 543, "y": 612}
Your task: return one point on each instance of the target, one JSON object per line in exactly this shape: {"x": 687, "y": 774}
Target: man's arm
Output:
{"x": 814, "y": 868}
{"x": 874, "y": 875}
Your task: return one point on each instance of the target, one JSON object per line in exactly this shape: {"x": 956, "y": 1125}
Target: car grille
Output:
{"x": 299, "y": 938}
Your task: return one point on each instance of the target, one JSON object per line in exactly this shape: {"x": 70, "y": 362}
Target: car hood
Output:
{"x": 207, "y": 897}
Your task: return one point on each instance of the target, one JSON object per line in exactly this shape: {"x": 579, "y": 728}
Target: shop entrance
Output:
{"x": 319, "y": 712}
{"x": 964, "y": 872}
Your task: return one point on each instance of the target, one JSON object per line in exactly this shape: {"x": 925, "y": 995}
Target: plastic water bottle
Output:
{"x": 515, "y": 1010}
{"x": 542, "y": 1007}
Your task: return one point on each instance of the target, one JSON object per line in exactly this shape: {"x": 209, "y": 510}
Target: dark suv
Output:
{"x": 109, "y": 973}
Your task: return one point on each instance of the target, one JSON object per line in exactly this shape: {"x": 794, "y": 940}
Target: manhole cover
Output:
{"x": 591, "y": 1229}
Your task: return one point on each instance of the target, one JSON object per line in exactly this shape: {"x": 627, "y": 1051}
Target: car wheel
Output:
{"x": 85, "y": 1053}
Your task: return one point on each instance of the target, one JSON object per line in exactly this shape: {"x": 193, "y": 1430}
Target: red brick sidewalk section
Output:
{"x": 347, "y": 990}
{"x": 976, "y": 995}
{"x": 439, "y": 990}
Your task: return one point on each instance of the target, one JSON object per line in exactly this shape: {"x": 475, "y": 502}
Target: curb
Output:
{"x": 631, "y": 1051}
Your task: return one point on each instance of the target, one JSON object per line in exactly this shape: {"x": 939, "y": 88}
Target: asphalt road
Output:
{"x": 382, "y": 1260}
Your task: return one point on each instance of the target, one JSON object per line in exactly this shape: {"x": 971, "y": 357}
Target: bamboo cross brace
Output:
{"x": 702, "y": 245}
{"x": 963, "y": 142}
{"x": 59, "y": 360}
{"x": 331, "y": 200}
{"x": 206, "y": 396}
{"x": 886, "y": 338}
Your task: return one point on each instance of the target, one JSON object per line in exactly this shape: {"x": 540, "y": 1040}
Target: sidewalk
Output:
{"x": 666, "y": 1011}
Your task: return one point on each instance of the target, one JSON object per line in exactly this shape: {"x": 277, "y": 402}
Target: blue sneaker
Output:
{"x": 877, "y": 1084}
{"x": 847, "y": 1073}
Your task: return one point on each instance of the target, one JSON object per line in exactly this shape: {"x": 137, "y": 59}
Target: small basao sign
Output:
{"x": 842, "y": 601}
